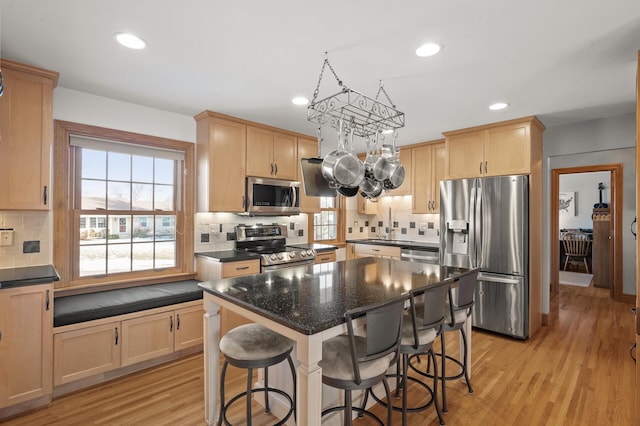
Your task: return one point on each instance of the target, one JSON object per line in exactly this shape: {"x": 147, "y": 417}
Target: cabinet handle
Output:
{"x": 44, "y": 195}
{"x": 171, "y": 323}
{"x": 271, "y": 168}
{"x": 117, "y": 336}
{"x": 375, "y": 250}
{"x": 276, "y": 166}
{"x": 0, "y": 335}
{"x": 481, "y": 167}
{"x": 178, "y": 321}
{"x": 46, "y": 301}
{"x": 244, "y": 203}
{"x": 485, "y": 167}
{"x": 241, "y": 268}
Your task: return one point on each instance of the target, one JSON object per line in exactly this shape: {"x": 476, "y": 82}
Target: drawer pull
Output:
{"x": 47, "y": 301}
{"x": 171, "y": 323}
{"x": 116, "y": 336}
{"x": 178, "y": 320}
{"x": 241, "y": 268}
{"x": 375, "y": 250}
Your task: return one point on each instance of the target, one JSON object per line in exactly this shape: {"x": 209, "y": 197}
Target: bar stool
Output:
{"x": 255, "y": 346}
{"x": 351, "y": 362}
{"x": 420, "y": 328}
{"x": 460, "y": 305}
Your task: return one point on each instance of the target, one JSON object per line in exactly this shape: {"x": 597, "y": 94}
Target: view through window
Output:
{"x": 325, "y": 223}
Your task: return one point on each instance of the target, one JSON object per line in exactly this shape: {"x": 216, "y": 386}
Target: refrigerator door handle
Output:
{"x": 496, "y": 279}
{"x": 472, "y": 234}
{"x": 477, "y": 221}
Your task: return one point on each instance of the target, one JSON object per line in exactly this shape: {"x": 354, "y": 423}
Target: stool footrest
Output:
{"x": 244, "y": 394}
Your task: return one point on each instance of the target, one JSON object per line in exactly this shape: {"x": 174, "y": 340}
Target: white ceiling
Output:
{"x": 562, "y": 60}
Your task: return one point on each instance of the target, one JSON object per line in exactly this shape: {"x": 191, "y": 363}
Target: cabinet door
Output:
{"x": 326, "y": 257}
{"x": 351, "y": 251}
{"x": 26, "y": 343}
{"x": 366, "y": 206}
{"x": 507, "y": 150}
{"x": 147, "y": 337}
{"x": 188, "y": 324}
{"x": 438, "y": 175}
{"x": 26, "y": 136}
{"x": 260, "y": 152}
{"x": 285, "y": 156}
{"x": 221, "y": 153}
{"x": 307, "y": 148}
{"x": 422, "y": 160}
{"x": 86, "y": 352}
{"x": 464, "y": 155}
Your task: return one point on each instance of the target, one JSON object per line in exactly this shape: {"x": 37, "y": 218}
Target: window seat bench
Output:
{"x": 91, "y": 306}
{"x": 111, "y": 333}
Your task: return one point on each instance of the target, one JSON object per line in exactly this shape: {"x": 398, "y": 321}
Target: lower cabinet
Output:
{"x": 325, "y": 257}
{"x": 26, "y": 323}
{"x": 86, "y": 349}
{"x": 373, "y": 250}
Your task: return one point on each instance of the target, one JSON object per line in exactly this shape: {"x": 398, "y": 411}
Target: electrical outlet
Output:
{"x": 6, "y": 237}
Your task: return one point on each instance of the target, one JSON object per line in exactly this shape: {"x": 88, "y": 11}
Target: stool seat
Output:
{"x": 337, "y": 362}
{"x": 254, "y": 342}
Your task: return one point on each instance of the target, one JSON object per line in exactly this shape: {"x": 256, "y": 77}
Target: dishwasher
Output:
{"x": 421, "y": 254}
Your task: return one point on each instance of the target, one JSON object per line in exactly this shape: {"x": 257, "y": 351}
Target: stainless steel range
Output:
{"x": 270, "y": 242}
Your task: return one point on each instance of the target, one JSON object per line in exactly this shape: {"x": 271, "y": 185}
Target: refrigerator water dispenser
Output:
{"x": 457, "y": 235}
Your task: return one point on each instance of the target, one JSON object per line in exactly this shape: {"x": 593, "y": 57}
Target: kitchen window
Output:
{"x": 325, "y": 225}
{"x": 134, "y": 199}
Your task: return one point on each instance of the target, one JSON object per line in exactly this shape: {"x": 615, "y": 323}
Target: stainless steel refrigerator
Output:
{"x": 484, "y": 223}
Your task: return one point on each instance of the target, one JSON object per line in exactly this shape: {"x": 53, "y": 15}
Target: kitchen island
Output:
{"x": 307, "y": 304}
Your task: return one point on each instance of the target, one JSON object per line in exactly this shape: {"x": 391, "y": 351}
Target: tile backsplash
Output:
{"x": 34, "y": 228}
{"x": 216, "y": 231}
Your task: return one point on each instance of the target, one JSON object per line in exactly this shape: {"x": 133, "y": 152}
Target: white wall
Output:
{"x": 603, "y": 141}
{"x": 584, "y": 186}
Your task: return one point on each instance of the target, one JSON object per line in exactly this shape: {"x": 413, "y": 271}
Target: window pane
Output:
{"x": 93, "y": 234}
{"x": 93, "y": 194}
{"x": 165, "y": 254}
{"x": 94, "y": 164}
{"x": 93, "y": 260}
{"x": 142, "y": 169}
{"x": 119, "y": 258}
{"x": 165, "y": 227}
{"x": 119, "y": 195}
{"x": 142, "y": 196}
{"x": 119, "y": 229}
{"x": 164, "y": 197}
{"x": 142, "y": 228}
{"x": 142, "y": 256}
{"x": 164, "y": 171}
{"x": 119, "y": 166}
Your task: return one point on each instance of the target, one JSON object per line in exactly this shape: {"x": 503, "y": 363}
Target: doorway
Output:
{"x": 614, "y": 233}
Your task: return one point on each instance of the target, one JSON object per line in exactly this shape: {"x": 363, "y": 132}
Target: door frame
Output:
{"x": 615, "y": 231}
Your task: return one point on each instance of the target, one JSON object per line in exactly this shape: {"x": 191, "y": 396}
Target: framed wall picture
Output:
{"x": 567, "y": 204}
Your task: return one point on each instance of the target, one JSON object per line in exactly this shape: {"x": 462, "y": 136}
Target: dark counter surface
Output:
{"x": 228, "y": 255}
{"x": 314, "y": 298}
{"x": 28, "y": 275}
{"x": 320, "y": 248}
{"x": 397, "y": 243}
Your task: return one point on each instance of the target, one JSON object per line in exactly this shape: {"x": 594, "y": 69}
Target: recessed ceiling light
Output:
{"x": 428, "y": 49}
{"x": 131, "y": 41}
{"x": 300, "y": 100}
{"x": 498, "y": 105}
{"x": 387, "y": 131}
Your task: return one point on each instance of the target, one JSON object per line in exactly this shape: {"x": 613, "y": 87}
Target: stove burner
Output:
{"x": 270, "y": 242}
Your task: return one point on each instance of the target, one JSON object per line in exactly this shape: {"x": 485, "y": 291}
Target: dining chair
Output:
{"x": 252, "y": 346}
{"x": 422, "y": 324}
{"x": 351, "y": 362}
{"x": 576, "y": 245}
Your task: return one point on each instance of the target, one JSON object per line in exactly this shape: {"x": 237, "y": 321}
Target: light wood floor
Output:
{"x": 576, "y": 371}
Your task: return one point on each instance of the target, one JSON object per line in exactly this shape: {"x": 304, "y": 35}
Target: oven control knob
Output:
{"x": 292, "y": 254}
{"x": 303, "y": 253}
{"x": 310, "y": 253}
{"x": 280, "y": 256}
{"x": 273, "y": 257}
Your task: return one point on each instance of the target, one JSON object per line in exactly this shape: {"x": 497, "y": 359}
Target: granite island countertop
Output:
{"x": 28, "y": 275}
{"x": 314, "y": 298}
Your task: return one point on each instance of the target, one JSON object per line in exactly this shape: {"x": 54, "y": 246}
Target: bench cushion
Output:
{"x": 91, "y": 306}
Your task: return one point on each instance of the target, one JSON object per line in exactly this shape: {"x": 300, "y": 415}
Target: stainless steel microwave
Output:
{"x": 272, "y": 197}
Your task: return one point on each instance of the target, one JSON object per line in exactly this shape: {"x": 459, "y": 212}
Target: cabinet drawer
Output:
{"x": 326, "y": 257}
{"x": 236, "y": 269}
{"x": 363, "y": 250}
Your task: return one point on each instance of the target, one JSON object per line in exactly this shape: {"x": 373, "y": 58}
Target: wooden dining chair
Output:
{"x": 576, "y": 246}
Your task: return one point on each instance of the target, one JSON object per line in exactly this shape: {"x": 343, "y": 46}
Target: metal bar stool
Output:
{"x": 255, "y": 346}
{"x": 351, "y": 362}
{"x": 420, "y": 327}
{"x": 460, "y": 305}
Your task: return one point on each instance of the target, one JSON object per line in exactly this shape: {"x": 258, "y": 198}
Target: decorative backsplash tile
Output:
{"x": 31, "y": 234}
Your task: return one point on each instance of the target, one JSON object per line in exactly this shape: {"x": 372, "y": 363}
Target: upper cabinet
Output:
{"x": 307, "y": 148}
{"x": 26, "y": 136}
{"x": 427, "y": 172}
{"x": 271, "y": 154}
{"x": 500, "y": 149}
{"x": 221, "y": 158}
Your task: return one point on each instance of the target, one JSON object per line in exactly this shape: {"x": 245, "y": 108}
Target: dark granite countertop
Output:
{"x": 320, "y": 248}
{"x": 28, "y": 275}
{"x": 228, "y": 255}
{"x": 398, "y": 243}
{"x": 314, "y": 298}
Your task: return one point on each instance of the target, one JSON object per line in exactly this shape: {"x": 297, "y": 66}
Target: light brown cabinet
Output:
{"x": 494, "y": 150}
{"x": 26, "y": 136}
{"x": 87, "y": 349}
{"x": 221, "y": 159}
{"x": 366, "y": 206}
{"x": 373, "y": 250}
{"x": 427, "y": 170}
{"x": 26, "y": 343}
{"x": 307, "y": 148}
{"x": 271, "y": 154}
{"x": 326, "y": 257}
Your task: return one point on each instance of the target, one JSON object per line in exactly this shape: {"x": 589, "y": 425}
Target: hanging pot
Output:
{"x": 396, "y": 175}
{"x": 342, "y": 167}
{"x": 370, "y": 188}
{"x": 347, "y": 191}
